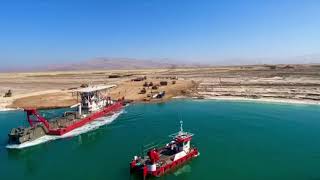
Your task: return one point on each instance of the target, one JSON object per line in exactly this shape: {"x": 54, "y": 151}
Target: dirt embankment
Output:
{"x": 129, "y": 89}
{"x": 132, "y": 90}
{"x": 45, "y": 101}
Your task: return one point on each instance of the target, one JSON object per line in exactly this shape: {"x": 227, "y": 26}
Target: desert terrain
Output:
{"x": 277, "y": 83}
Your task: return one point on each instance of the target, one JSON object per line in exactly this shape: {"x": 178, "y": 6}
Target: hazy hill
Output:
{"x": 116, "y": 63}
{"x": 105, "y": 64}
{"x": 133, "y": 63}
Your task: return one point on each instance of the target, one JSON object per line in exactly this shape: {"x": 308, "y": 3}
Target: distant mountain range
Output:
{"x": 108, "y": 64}
{"x": 303, "y": 59}
{"x": 119, "y": 63}
{"x": 134, "y": 63}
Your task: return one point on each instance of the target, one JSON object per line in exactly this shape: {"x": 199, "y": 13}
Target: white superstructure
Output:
{"x": 92, "y": 98}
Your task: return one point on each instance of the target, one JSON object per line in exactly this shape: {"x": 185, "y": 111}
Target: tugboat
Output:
{"x": 159, "y": 161}
{"x": 92, "y": 105}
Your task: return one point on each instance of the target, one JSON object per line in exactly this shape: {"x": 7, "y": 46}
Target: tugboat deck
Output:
{"x": 166, "y": 158}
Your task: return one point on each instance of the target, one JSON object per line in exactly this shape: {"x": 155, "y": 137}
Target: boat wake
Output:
{"x": 182, "y": 170}
{"x": 86, "y": 128}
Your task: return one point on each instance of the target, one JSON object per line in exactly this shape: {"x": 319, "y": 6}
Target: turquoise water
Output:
{"x": 237, "y": 140}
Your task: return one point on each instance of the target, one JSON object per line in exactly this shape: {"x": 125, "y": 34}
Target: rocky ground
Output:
{"x": 293, "y": 83}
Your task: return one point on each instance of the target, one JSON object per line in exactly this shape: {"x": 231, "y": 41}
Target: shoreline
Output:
{"x": 5, "y": 103}
{"x": 243, "y": 99}
{"x": 9, "y": 109}
{"x": 222, "y": 98}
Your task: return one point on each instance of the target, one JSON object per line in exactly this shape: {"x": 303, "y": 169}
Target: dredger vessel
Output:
{"x": 93, "y": 104}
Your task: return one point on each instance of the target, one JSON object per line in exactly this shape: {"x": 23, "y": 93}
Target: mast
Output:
{"x": 181, "y": 128}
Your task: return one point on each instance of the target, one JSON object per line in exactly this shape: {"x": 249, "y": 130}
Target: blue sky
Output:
{"x": 48, "y": 32}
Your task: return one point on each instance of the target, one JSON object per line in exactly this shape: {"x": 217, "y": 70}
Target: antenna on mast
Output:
{"x": 181, "y": 124}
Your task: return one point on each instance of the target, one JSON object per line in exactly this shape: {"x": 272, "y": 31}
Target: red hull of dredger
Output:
{"x": 109, "y": 109}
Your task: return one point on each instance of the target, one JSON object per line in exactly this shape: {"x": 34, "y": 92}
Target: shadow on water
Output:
{"x": 31, "y": 158}
{"x": 28, "y": 158}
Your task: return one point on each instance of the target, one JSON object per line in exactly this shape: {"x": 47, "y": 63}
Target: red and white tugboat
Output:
{"x": 92, "y": 105}
{"x": 159, "y": 161}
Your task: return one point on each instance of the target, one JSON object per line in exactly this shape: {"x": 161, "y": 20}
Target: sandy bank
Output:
{"x": 8, "y": 102}
{"x": 128, "y": 89}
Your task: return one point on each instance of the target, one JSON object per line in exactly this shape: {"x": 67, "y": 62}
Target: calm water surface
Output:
{"x": 237, "y": 140}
